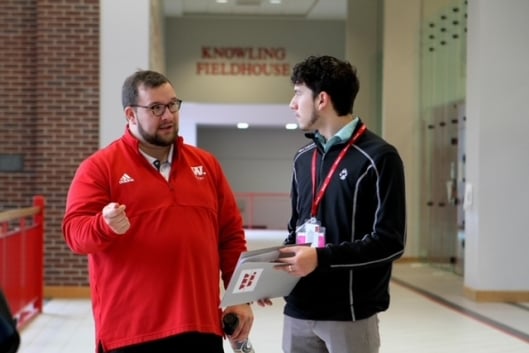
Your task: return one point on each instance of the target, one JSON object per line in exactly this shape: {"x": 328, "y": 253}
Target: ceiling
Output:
{"x": 305, "y": 9}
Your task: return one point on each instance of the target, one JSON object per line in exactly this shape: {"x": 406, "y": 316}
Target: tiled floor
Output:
{"x": 428, "y": 314}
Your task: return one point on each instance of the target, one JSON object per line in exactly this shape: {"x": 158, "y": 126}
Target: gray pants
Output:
{"x": 306, "y": 336}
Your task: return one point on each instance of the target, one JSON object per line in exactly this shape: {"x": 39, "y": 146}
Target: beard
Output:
{"x": 309, "y": 126}
{"x": 156, "y": 140}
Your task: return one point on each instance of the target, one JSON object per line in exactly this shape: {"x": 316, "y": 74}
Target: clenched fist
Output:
{"x": 116, "y": 218}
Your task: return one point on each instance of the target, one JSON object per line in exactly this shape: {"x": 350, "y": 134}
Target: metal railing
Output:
{"x": 22, "y": 259}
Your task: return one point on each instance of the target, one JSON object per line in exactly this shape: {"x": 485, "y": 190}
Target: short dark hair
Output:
{"x": 328, "y": 74}
{"x": 147, "y": 78}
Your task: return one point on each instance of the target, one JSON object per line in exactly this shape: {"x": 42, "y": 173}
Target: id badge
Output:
{"x": 311, "y": 232}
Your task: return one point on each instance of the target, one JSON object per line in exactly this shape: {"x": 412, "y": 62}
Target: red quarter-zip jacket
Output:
{"x": 161, "y": 277}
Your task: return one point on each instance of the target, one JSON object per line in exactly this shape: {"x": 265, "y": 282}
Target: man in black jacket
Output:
{"x": 9, "y": 337}
{"x": 348, "y": 201}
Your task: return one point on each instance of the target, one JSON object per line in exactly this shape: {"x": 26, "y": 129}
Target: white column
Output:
{"x": 400, "y": 92}
{"x": 125, "y": 48}
{"x": 497, "y": 141}
{"x": 363, "y": 48}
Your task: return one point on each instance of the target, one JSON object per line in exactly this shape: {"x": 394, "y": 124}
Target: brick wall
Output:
{"x": 49, "y": 112}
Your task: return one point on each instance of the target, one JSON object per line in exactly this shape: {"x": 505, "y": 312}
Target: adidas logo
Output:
{"x": 125, "y": 178}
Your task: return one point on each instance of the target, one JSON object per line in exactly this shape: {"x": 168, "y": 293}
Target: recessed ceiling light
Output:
{"x": 222, "y": 1}
{"x": 275, "y": 2}
{"x": 242, "y": 125}
{"x": 291, "y": 126}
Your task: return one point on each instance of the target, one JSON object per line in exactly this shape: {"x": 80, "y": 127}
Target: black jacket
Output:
{"x": 363, "y": 211}
{"x": 9, "y": 336}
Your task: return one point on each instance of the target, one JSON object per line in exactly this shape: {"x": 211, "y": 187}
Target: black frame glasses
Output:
{"x": 158, "y": 109}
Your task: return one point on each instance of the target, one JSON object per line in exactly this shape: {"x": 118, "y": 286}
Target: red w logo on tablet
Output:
{"x": 248, "y": 280}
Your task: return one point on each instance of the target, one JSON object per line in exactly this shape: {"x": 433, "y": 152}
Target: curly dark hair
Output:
{"x": 147, "y": 78}
{"x": 328, "y": 74}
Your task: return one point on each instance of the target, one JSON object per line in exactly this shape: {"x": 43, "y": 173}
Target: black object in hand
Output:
{"x": 230, "y": 322}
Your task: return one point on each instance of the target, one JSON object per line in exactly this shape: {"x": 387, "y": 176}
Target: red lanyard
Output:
{"x": 317, "y": 198}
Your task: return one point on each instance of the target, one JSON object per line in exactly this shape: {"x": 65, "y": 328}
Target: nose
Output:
{"x": 293, "y": 105}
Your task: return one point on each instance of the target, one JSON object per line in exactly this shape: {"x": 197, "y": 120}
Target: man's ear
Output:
{"x": 322, "y": 100}
{"x": 130, "y": 115}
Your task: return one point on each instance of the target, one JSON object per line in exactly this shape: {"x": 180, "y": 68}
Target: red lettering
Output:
{"x": 250, "y": 53}
{"x": 202, "y": 68}
{"x": 251, "y": 279}
{"x": 281, "y": 53}
{"x": 206, "y": 68}
{"x": 206, "y": 53}
{"x": 244, "y": 282}
{"x": 236, "y": 69}
{"x": 237, "y": 52}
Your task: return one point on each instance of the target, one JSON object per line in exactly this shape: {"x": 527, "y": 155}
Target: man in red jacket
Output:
{"x": 160, "y": 224}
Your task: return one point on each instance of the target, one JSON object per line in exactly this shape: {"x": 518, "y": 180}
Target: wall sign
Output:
{"x": 242, "y": 61}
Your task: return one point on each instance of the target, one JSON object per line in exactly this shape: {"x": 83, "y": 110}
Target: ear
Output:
{"x": 130, "y": 115}
{"x": 322, "y": 100}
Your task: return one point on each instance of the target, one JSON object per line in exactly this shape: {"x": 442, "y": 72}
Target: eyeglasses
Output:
{"x": 158, "y": 109}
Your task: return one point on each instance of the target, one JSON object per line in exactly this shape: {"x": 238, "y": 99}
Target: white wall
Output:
{"x": 364, "y": 50}
{"x": 124, "y": 48}
{"x": 185, "y": 39}
{"x": 255, "y": 160}
{"x": 497, "y": 144}
{"x": 400, "y": 92}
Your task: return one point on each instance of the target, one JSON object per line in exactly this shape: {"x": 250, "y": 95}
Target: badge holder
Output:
{"x": 311, "y": 232}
